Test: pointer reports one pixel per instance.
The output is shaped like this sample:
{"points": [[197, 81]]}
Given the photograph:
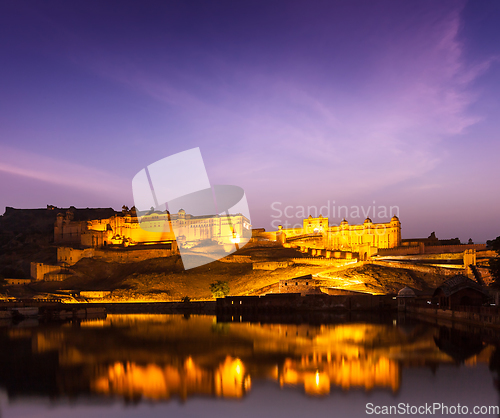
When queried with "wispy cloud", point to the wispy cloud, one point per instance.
{"points": [[415, 96], [61, 173]]}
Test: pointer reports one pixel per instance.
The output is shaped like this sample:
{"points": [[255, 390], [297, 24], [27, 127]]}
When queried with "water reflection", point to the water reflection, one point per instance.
{"points": [[158, 357]]}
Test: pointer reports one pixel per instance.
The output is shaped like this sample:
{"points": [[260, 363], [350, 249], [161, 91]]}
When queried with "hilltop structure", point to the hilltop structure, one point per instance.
{"points": [[126, 228], [364, 238]]}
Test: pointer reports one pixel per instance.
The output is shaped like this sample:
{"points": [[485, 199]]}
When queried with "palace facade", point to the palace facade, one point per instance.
{"points": [[126, 228], [348, 237]]}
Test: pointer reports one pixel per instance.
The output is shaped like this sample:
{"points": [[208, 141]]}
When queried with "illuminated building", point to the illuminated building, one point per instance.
{"points": [[126, 228], [356, 238]]}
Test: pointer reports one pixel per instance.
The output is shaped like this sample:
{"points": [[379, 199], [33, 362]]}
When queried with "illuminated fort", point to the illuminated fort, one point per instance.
{"points": [[356, 238], [126, 228]]}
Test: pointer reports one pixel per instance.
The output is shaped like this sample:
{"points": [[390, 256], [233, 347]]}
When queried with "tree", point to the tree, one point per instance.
{"points": [[495, 262], [219, 289]]}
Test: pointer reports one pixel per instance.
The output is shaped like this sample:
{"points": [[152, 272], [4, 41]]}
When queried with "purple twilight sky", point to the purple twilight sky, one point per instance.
{"points": [[321, 104]]}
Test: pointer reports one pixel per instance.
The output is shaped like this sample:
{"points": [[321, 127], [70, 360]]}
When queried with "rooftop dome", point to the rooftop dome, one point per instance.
{"points": [[368, 220], [394, 218], [406, 292]]}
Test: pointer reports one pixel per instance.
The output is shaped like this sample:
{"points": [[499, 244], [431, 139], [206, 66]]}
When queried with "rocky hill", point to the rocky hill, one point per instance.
{"points": [[164, 279]]}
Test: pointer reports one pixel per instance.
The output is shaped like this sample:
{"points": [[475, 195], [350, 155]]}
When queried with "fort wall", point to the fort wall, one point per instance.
{"points": [[401, 250], [71, 256], [437, 249], [18, 281], [257, 242], [428, 249], [94, 294], [324, 261], [271, 265], [428, 257], [303, 286], [129, 255], [57, 276], [322, 252], [289, 302], [236, 259], [486, 253], [39, 270]]}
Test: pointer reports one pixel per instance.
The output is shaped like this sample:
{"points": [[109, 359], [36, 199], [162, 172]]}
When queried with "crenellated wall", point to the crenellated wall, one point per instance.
{"points": [[324, 261], [427, 249], [236, 259], [401, 250], [129, 256], [271, 265], [437, 249], [304, 286]]}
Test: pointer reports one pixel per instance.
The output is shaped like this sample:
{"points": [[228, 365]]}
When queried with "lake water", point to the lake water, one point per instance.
{"points": [[194, 366]]}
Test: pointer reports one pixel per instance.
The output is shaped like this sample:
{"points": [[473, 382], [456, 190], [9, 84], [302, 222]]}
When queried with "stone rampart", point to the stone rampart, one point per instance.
{"points": [[39, 270], [299, 285], [131, 255], [70, 256], [271, 265], [289, 302], [94, 294], [262, 243], [399, 251], [437, 249], [57, 277], [486, 254], [236, 259], [17, 281], [323, 261], [428, 249], [427, 257], [271, 236]]}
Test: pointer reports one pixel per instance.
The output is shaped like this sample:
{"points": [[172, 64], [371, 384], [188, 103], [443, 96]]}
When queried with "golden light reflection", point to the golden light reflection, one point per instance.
{"points": [[160, 356], [149, 381], [342, 372], [230, 379], [316, 384]]}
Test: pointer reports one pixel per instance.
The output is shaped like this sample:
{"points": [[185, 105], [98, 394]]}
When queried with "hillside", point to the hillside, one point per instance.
{"points": [[164, 279]]}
